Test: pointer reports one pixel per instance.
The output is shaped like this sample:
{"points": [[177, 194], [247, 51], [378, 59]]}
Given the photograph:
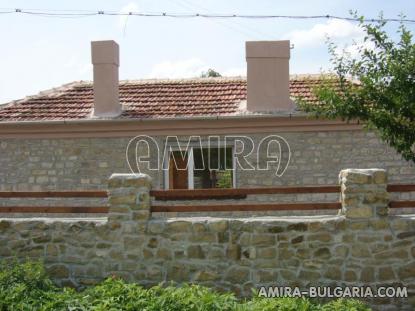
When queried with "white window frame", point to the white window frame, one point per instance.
{"points": [[190, 165]]}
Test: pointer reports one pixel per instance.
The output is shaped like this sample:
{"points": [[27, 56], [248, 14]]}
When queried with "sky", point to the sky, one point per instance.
{"points": [[40, 53]]}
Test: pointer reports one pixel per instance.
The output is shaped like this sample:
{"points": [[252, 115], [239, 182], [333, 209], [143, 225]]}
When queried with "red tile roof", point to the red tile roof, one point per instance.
{"points": [[146, 99]]}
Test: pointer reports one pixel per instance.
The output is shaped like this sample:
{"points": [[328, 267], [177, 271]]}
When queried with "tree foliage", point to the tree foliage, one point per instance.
{"points": [[211, 73], [376, 87]]}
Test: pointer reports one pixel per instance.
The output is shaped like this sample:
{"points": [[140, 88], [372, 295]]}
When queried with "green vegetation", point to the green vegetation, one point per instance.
{"points": [[211, 73], [224, 179], [27, 287], [384, 97]]}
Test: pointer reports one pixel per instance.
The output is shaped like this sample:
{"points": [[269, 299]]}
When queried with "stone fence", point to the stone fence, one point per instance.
{"points": [[362, 246]]}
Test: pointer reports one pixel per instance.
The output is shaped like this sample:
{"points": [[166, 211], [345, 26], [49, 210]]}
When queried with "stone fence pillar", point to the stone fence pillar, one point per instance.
{"points": [[363, 193], [129, 198]]}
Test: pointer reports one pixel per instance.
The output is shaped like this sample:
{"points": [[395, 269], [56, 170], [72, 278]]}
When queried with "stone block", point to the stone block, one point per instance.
{"points": [[285, 254], [363, 176], [367, 275], [178, 272], [176, 226], [195, 251], [333, 273], [341, 251], [309, 275], [360, 251], [42, 238], [51, 250], [350, 276], [164, 253], [237, 275], [300, 226], [288, 275], [275, 229], [249, 253], [153, 242], [130, 242], [4, 224], [141, 215], [129, 180], [218, 226], [199, 228], [58, 271], [267, 276], [297, 239], [233, 251], [129, 199], [207, 237], [266, 253], [321, 237], [323, 253], [407, 271], [263, 240], [303, 253], [156, 227], [363, 193], [207, 275], [386, 274]]}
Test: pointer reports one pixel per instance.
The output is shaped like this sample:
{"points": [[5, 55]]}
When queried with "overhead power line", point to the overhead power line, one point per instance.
{"points": [[87, 13]]}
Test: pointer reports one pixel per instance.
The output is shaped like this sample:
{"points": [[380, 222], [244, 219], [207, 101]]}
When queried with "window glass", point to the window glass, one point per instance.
{"points": [[212, 168]]}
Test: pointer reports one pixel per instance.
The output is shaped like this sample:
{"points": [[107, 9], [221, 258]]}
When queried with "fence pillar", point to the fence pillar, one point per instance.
{"points": [[364, 193], [129, 198]]}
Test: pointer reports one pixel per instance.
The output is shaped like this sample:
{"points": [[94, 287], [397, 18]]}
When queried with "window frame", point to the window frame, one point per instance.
{"points": [[190, 163]]}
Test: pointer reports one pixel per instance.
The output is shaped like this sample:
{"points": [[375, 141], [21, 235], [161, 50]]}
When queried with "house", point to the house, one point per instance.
{"points": [[203, 133], [77, 135]]}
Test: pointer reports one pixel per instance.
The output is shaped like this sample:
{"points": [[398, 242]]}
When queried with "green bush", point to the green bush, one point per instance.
{"points": [[26, 286]]}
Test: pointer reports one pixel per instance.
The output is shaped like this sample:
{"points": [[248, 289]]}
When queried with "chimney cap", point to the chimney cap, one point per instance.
{"points": [[105, 52], [268, 49]]}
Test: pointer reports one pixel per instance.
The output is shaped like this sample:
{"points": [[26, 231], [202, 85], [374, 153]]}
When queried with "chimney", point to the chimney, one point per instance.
{"points": [[268, 76], [105, 58]]}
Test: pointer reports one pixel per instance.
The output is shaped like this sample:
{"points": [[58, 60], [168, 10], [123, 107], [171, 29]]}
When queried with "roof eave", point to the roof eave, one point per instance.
{"points": [[197, 125]]}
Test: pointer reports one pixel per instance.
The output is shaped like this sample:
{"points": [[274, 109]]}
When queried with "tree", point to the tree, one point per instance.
{"points": [[210, 74], [376, 87]]}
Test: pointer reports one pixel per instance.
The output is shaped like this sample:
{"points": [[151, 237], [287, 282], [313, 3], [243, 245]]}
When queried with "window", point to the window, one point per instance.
{"points": [[200, 168]]}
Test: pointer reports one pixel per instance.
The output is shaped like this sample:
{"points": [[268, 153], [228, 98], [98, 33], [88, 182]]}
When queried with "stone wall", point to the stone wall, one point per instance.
{"points": [[363, 245], [87, 163]]}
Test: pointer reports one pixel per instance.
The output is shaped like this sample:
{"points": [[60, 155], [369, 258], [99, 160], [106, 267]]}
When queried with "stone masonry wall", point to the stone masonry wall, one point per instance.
{"points": [[87, 163], [363, 245]]}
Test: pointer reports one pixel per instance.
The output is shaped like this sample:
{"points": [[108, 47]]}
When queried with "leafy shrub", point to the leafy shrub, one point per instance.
{"points": [[26, 286], [345, 305]]}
